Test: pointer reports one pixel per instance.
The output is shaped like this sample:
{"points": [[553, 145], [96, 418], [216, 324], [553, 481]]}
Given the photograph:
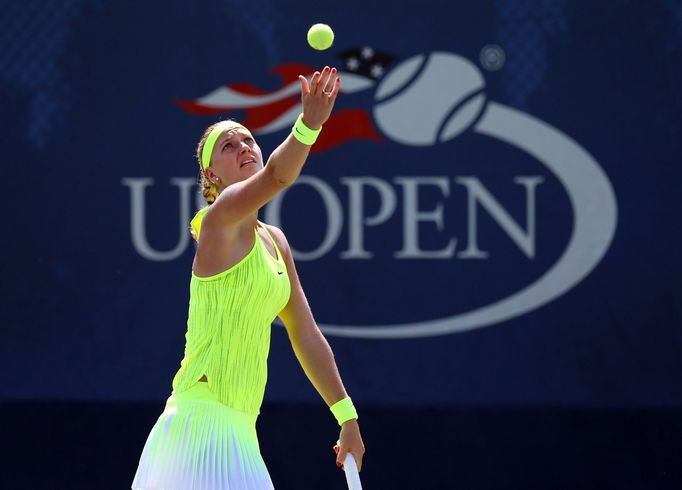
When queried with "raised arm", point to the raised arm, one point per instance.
{"points": [[244, 198]]}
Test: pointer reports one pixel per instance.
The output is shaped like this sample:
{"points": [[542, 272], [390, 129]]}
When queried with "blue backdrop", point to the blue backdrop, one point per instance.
{"points": [[492, 217]]}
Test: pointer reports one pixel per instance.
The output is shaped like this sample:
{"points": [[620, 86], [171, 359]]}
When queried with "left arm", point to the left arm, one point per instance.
{"points": [[314, 354]]}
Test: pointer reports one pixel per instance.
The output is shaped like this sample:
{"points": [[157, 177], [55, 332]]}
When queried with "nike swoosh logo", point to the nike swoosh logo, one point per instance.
{"points": [[280, 272]]}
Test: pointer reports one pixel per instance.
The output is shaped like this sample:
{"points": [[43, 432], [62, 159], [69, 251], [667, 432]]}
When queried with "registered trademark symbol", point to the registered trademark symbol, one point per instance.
{"points": [[492, 57]]}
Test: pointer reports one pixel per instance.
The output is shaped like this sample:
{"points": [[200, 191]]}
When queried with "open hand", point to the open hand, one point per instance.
{"points": [[319, 96]]}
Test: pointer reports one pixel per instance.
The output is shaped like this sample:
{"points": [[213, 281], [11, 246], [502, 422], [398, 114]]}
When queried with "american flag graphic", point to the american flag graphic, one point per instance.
{"points": [[269, 112]]}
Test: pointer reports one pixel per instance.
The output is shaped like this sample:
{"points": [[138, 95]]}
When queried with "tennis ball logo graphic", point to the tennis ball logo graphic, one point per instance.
{"points": [[429, 99]]}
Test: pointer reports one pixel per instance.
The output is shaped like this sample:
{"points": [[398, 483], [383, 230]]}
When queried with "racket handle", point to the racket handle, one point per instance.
{"points": [[352, 475]]}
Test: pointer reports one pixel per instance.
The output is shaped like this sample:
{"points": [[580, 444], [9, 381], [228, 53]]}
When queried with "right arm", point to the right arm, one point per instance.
{"points": [[242, 199]]}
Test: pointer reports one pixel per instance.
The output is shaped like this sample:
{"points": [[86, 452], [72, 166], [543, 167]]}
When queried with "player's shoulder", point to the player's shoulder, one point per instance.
{"points": [[279, 237]]}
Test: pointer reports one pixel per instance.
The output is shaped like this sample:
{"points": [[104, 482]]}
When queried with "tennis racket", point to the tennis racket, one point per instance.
{"points": [[352, 475]]}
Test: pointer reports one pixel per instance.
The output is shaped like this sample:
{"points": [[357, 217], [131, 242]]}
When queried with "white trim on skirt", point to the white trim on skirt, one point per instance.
{"points": [[198, 443]]}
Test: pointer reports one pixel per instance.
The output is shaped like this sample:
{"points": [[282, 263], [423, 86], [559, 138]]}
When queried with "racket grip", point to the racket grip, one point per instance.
{"points": [[352, 475]]}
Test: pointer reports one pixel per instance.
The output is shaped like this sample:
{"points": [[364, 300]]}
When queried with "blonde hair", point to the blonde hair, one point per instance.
{"points": [[208, 188]]}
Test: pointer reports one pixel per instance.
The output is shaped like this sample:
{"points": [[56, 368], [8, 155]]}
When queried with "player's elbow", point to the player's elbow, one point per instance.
{"points": [[307, 336], [281, 178]]}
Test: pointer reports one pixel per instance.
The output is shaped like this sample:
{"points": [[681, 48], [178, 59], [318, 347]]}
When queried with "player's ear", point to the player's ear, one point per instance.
{"points": [[210, 175]]}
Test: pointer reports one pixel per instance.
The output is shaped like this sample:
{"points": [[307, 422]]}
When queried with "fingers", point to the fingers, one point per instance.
{"points": [[315, 81], [335, 90], [340, 455], [318, 96], [305, 88], [329, 82], [323, 83], [321, 80]]}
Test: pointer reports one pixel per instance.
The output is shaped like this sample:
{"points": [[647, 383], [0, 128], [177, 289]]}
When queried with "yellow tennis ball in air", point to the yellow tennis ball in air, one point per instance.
{"points": [[320, 36]]}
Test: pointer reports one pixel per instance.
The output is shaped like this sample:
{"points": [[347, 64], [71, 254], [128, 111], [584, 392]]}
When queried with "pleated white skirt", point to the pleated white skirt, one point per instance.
{"points": [[198, 443]]}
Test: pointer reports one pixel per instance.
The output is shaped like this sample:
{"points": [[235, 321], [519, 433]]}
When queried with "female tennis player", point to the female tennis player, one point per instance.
{"points": [[243, 276]]}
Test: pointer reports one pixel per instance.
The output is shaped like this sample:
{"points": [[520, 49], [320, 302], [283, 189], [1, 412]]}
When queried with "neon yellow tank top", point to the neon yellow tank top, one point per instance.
{"points": [[228, 327]]}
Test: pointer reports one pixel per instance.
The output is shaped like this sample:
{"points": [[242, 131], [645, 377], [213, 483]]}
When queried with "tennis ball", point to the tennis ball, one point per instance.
{"points": [[320, 36]]}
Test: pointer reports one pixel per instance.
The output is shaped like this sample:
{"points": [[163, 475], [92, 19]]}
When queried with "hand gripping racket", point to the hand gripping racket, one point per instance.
{"points": [[352, 475]]}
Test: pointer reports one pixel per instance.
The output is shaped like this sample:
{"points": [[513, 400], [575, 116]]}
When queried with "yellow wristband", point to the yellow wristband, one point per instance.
{"points": [[344, 410], [303, 133]]}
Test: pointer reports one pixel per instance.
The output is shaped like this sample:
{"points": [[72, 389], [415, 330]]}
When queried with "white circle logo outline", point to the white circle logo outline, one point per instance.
{"points": [[594, 207]]}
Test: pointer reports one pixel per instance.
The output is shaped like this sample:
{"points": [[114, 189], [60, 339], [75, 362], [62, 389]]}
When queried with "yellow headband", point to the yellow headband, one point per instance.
{"points": [[220, 128]]}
